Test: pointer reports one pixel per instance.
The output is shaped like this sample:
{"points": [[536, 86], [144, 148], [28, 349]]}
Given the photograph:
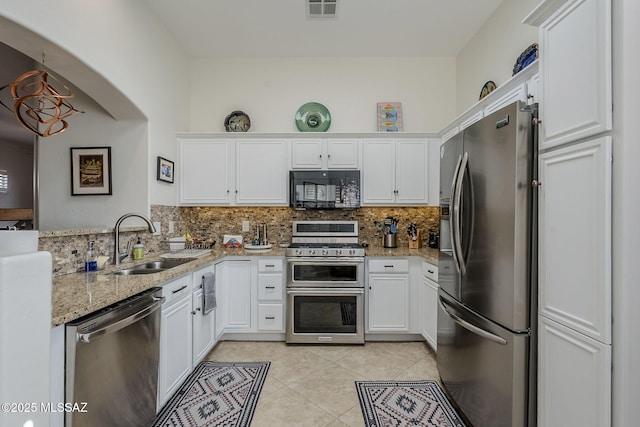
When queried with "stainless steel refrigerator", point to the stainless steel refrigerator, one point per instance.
{"points": [[487, 275]]}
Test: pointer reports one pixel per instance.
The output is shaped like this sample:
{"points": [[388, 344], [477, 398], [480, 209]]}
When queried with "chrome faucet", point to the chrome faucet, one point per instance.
{"points": [[119, 256]]}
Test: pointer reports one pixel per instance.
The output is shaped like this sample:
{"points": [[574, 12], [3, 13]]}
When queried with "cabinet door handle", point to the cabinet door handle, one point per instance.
{"points": [[178, 290], [430, 271], [388, 266], [269, 266], [269, 317], [269, 287]]}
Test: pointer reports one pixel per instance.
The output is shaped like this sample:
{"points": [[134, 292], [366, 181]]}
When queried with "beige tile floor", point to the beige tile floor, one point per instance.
{"points": [[314, 385]]}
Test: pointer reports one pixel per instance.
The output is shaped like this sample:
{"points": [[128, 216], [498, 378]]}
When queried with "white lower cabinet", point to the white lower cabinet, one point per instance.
{"points": [[204, 330], [234, 287], [574, 378], [176, 326], [270, 317], [270, 295], [430, 304], [186, 333], [388, 295]]}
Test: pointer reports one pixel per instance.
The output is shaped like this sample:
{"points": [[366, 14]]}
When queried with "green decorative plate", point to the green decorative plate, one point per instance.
{"points": [[313, 117]]}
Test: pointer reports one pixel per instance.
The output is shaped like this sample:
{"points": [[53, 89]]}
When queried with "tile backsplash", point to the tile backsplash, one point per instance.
{"points": [[68, 248], [214, 222]]}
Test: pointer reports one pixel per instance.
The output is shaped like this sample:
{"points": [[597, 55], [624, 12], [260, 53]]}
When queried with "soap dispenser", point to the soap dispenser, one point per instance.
{"points": [[138, 250], [90, 262]]}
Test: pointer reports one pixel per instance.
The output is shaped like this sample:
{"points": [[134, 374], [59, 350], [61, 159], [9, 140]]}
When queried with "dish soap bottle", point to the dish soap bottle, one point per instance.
{"points": [[138, 250], [90, 263]]}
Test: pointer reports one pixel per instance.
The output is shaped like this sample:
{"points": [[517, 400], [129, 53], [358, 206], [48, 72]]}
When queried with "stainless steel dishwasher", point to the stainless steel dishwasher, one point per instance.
{"points": [[112, 364]]}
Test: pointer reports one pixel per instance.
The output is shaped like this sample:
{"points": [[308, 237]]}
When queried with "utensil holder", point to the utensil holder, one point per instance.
{"points": [[389, 241], [415, 244]]}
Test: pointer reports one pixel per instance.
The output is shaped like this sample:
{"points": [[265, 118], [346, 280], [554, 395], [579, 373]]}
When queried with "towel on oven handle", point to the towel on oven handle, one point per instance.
{"points": [[208, 292]]}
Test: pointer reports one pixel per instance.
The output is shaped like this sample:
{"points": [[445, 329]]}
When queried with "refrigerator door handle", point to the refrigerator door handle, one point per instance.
{"points": [[472, 328], [452, 228], [456, 214]]}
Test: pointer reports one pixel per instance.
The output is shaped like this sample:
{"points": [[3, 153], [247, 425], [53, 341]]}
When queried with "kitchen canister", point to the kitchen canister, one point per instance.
{"points": [[389, 240]]}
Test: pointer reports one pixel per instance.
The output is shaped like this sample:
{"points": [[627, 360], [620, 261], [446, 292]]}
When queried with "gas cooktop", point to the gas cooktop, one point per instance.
{"points": [[325, 239], [320, 250]]}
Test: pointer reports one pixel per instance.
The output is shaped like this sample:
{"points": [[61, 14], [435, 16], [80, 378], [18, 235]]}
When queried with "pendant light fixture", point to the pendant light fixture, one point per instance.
{"points": [[40, 102]]}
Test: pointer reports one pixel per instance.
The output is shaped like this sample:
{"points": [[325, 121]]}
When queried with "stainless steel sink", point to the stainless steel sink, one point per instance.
{"points": [[152, 267]]}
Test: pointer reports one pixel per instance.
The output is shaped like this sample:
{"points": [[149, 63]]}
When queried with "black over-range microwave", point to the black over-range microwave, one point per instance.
{"points": [[325, 189]]}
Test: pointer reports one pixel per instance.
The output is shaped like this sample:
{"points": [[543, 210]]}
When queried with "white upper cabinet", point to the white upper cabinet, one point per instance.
{"points": [[221, 171], [412, 171], [205, 171], [324, 154], [395, 171], [261, 172], [575, 42], [378, 178]]}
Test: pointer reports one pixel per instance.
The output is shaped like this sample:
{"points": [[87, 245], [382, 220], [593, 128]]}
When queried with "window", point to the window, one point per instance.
{"points": [[4, 181]]}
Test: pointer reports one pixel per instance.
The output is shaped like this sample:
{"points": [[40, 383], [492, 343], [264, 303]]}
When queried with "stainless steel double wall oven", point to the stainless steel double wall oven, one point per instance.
{"points": [[325, 283]]}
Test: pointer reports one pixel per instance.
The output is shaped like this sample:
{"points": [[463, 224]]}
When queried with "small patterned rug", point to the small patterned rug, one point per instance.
{"points": [[405, 403], [216, 394]]}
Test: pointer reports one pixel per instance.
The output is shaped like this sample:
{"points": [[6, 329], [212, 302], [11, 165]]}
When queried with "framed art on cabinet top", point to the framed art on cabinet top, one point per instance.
{"points": [[389, 117]]}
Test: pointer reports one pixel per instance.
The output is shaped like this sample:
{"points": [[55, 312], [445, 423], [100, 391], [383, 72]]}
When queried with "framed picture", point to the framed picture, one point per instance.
{"points": [[165, 170], [389, 117], [90, 171]]}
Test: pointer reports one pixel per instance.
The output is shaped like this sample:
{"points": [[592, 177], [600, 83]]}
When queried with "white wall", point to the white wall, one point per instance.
{"points": [[493, 51], [121, 56], [270, 91], [58, 209], [626, 211]]}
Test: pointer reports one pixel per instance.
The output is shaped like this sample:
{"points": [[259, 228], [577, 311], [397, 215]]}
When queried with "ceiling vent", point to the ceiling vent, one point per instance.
{"points": [[322, 9]]}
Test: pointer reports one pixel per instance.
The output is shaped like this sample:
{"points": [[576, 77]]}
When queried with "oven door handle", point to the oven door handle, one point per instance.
{"points": [[326, 291]]}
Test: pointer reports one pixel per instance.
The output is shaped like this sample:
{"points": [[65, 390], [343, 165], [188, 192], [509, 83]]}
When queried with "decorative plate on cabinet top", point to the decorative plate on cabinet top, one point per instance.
{"points": [[237, 121], [488, 87], [529, 55], [313, 117]]}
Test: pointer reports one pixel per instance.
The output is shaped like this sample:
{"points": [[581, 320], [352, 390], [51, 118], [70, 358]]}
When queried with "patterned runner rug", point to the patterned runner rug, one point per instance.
{"points": [[216, 394], [405, 403]]}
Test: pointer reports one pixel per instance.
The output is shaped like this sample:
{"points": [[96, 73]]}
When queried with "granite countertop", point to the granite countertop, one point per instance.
{"points": [[429, 254], [76, 295]]}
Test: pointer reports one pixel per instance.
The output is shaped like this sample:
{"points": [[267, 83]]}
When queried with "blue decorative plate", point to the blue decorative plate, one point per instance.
{"points": [[488, 87], [313, 117], [529, 55]]}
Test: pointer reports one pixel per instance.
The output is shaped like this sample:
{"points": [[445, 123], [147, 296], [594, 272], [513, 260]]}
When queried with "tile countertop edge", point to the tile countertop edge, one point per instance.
{"points": [[78, 294]]}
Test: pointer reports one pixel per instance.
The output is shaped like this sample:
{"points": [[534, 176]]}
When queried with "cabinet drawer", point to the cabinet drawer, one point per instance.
{"points": [[389, 266], [430, 271], [269, 265], [176, 289], [270, 287], [270, 317]]}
